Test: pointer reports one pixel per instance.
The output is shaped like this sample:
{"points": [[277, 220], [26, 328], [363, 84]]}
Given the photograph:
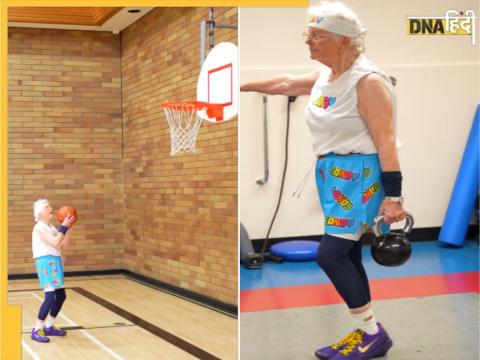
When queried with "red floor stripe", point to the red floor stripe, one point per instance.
{"points": [[325, 294]]}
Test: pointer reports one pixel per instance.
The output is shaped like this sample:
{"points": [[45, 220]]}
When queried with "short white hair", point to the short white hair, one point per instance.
{"points": [[38, 206], [340, 10]]}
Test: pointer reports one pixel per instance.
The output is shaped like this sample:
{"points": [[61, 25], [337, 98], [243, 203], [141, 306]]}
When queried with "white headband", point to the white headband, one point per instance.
{"points": [[337, 25], [38, 206]]}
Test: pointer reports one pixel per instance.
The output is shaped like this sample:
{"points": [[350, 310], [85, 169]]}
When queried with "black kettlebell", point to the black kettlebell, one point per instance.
{"points": [[392, 249]]}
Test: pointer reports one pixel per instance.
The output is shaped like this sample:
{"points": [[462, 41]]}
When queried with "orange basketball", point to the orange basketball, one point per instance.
{"points": [[64, 211]]}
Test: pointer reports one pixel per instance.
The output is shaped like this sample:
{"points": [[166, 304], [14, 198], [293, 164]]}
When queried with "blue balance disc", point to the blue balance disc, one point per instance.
{"points": [[296, 250]]}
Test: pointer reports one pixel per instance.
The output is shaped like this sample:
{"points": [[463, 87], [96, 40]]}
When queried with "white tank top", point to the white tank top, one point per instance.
{"points": [[332, 112], [40, 247]]}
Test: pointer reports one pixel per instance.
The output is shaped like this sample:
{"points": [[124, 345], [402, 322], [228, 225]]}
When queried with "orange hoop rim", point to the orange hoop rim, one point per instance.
{"points": [[213, 110], [197, 105]]}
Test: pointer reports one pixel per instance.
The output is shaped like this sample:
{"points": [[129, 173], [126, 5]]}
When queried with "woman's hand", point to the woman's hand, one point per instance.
{"points": [[392, 211], [69, 219]]}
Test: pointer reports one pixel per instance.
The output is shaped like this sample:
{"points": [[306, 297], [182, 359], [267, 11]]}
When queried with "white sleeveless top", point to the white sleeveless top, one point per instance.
{"points": [[40, 247], [332, 113]]}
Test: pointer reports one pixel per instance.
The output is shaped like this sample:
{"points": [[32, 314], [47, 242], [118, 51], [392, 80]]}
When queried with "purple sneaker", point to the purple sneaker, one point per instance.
{"points": [[363, 346], [328, 352], [39, 336], [55, 331]]}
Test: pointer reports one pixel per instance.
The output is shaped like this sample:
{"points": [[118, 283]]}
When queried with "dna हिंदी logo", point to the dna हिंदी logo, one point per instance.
{"points": [[452, 23]]}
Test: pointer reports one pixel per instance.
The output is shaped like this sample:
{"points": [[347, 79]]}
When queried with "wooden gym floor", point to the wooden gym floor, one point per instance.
{"points": [[115, 317]]}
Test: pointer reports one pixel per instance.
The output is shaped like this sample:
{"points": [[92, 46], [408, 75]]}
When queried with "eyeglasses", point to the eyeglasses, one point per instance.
{"points": [[313, 36]]}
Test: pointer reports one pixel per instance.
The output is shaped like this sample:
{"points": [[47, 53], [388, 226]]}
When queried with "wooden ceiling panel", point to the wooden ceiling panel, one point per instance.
{"points": [[92, 16]]}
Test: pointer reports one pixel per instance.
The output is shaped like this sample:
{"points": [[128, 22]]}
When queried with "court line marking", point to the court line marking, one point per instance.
{"points": [[98, 342], [30, 328], [127, 277], [20, 297], [11, 292], [73, 328], [87, 334], [30, 351], [70, 278], [164, 290], [155, 330], [151, 328]]}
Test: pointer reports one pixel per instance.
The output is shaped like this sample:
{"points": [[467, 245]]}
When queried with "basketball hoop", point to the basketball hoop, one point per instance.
{"points": [[184, 122]]}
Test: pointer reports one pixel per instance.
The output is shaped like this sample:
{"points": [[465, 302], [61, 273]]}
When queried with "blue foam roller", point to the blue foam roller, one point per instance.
{"points": [[296, 250], [465, 191]]}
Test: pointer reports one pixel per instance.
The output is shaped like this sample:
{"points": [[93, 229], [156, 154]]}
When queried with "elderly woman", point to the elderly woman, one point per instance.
{"points": [[47, 246], [351, 117]]}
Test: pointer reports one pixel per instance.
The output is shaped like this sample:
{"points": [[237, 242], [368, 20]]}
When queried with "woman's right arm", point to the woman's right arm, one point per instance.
{"points": [[51, 240], [291, 85], [55, 241]]}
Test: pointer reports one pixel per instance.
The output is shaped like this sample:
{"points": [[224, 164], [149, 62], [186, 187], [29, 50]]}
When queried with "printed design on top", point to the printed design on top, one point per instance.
{"points": [[366, 172], [316, 19], [344, 174], [325, 102], [371, 190], [342, 199], [339, 222]]}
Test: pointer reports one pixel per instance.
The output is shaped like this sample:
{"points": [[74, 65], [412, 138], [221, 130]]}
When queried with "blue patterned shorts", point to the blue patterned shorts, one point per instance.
{"points": [[350, 190], [50, 271]]}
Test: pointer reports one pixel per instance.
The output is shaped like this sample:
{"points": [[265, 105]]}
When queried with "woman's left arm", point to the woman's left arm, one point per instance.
{"points": [[376, 108]]}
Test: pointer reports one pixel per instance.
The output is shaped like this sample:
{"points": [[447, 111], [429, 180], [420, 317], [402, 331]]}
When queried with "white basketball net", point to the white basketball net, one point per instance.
{"points": [[184, 126]]}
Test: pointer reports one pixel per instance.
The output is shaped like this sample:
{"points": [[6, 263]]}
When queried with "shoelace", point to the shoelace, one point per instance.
{"points": [[344, 341], [357, 338], [41, 332]]}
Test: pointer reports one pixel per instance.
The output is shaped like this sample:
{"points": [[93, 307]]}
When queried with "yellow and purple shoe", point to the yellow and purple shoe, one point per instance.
{"points": [[363, 346], [54, 331], [327, 352], [39, 335]]}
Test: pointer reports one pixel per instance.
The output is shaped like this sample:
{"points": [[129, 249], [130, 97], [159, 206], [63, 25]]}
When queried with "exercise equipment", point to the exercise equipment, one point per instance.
{"points": [[296, 250], [465, 191], [264, 253], [392, 249], [264, 180], [248, 257]]}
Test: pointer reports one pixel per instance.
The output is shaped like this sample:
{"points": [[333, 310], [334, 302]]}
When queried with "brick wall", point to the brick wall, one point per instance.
{"points": [[65, 141], [180, 212], [170, 218]]}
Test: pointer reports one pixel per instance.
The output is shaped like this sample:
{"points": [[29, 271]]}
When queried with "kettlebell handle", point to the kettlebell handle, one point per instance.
{"points": [[409, 221]]}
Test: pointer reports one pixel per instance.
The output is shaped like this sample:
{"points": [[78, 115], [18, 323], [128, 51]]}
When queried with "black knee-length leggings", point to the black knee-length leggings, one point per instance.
{"points": [[341, 259], [52, 304]]}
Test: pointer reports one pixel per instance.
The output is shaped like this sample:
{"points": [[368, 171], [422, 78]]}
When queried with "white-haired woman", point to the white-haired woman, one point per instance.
{"points": [[351, 117], [47, 246]]}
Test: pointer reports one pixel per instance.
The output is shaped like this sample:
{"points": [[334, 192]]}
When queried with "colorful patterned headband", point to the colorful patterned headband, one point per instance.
{"points": [[337, 25]]}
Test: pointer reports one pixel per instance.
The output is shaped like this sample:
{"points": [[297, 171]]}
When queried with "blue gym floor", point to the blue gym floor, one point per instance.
{"points": [[428, 258], [429, 306]]}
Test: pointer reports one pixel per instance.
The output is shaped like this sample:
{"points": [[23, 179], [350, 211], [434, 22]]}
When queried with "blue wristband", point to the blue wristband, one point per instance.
{"points": [[392, 183], [63, 229]]}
